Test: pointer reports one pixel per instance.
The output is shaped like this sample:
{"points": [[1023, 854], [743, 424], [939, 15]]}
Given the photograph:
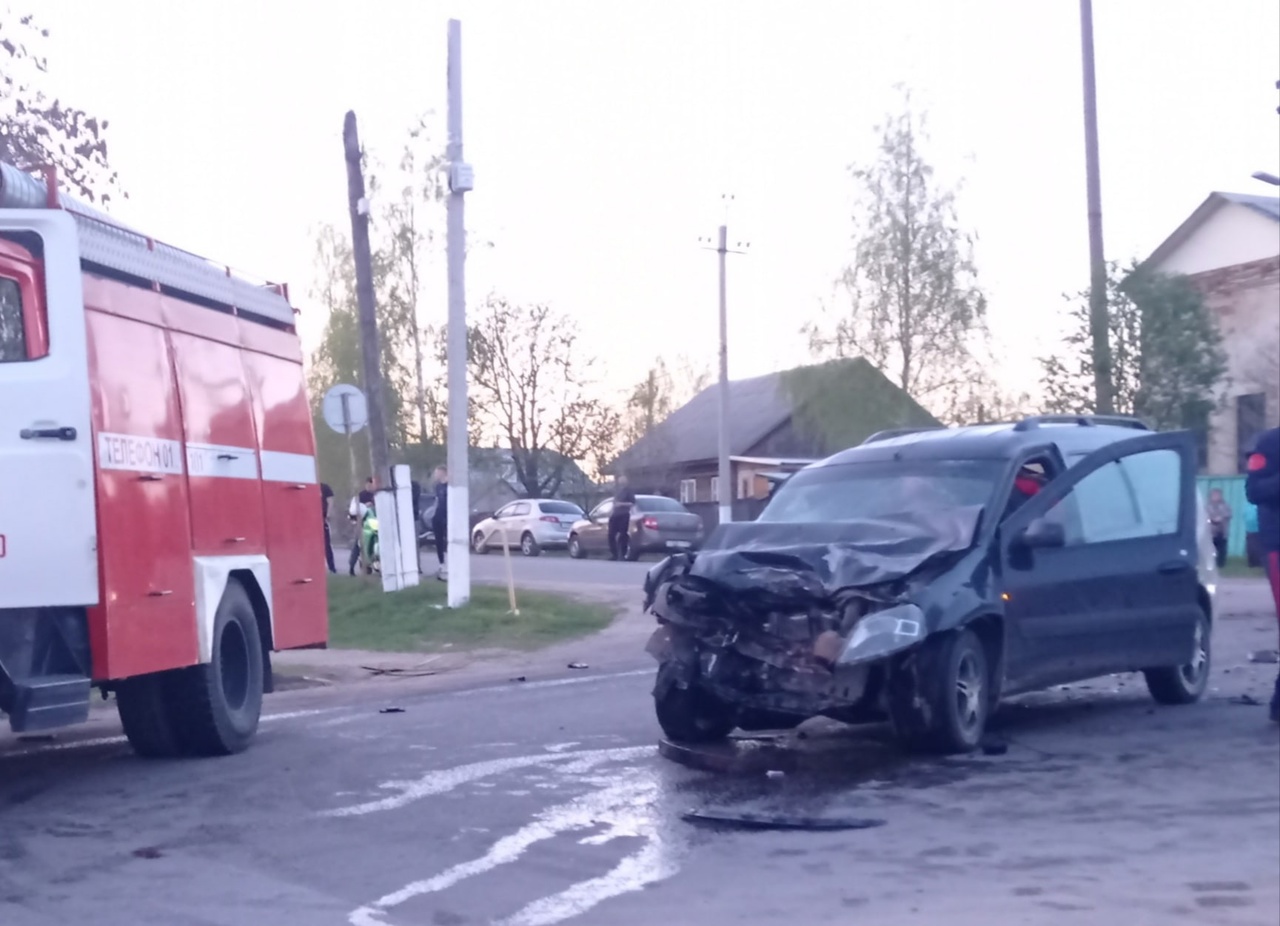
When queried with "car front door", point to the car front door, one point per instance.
{"points": [[493, 527], [1099, 568], [516, 522]]}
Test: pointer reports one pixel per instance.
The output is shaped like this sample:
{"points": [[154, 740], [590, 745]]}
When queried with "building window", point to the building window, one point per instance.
{"points": [[715, 488], [688, 491], [1251, 420]]}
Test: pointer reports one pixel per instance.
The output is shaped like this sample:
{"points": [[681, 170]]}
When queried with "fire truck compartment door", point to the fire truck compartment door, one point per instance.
{"points": [[48, 527]]}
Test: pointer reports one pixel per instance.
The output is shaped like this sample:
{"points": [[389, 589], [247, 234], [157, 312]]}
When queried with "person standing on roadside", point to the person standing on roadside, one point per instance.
{"points": [[620, 519], [1262, 488], [326, 493], [440, 519], [356, 512], [1219, 524]]}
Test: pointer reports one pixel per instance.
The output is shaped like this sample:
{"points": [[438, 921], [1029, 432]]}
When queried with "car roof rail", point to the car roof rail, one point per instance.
{"points": [[898, 432], [1084, 421]]}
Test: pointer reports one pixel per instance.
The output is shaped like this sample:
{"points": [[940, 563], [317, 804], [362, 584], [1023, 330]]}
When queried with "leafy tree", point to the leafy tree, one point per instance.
{"points": [[665, 388], [1167, 360], [532, 384], [914, 303], [36, 131]]}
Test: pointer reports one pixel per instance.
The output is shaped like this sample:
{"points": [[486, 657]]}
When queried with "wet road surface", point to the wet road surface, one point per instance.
{"points": [[546, 802]]}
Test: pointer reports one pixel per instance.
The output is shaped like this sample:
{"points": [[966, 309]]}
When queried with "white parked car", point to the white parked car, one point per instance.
{"points": [[532, 524]]}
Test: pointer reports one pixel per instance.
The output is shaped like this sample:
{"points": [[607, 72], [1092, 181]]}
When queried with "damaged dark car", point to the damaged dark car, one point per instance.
{"points": [[922, 576]]}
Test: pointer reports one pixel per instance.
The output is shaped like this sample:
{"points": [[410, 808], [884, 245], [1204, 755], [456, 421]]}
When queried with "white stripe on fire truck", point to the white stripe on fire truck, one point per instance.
{"points": [[139, 454], [297, 468], [221, 461]]}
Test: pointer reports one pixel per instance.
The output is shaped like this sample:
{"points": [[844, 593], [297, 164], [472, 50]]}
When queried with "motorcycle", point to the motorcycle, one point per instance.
{"points": [[369, 555]]}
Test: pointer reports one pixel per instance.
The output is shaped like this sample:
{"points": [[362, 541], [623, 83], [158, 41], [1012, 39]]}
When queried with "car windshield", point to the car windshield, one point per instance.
{"points": [[865, 491], [560, 508], [657, 503]]}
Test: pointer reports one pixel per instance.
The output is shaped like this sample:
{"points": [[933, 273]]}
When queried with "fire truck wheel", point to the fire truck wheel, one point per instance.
{"points": [[217, 706], [143, 705]]}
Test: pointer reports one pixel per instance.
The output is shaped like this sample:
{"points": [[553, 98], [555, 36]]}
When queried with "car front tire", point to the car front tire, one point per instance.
{"points": [[942, 703], [691, 715], [477, 543], [1185, 684], [575, 548]]}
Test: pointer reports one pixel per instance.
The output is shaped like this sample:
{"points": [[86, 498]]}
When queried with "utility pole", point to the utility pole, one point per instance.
{"points": [[1099, 312], [724, 479], [461, 181], [369, 344]]}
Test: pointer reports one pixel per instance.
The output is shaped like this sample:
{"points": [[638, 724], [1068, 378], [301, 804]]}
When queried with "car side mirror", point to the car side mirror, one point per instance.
{"points": [[1042, 534]]}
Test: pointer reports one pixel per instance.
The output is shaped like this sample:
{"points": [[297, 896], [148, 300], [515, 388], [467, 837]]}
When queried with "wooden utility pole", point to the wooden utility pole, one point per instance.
{"points": [[1099, 311], [374, 390]]}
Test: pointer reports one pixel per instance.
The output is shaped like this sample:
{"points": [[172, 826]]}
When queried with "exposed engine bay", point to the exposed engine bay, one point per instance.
{"points": [[796, 620]]}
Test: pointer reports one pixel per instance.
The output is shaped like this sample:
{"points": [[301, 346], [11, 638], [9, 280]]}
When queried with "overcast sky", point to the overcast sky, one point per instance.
{"points": [[603, 135]]}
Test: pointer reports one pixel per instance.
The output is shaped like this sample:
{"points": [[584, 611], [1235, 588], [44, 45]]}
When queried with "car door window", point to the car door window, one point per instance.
{"points": [[1135, 496], [504, 512], [602, 511], [13, 333]]}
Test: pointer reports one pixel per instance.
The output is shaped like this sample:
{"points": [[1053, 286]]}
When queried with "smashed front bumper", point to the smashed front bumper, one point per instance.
{"points": [[778, 650]]}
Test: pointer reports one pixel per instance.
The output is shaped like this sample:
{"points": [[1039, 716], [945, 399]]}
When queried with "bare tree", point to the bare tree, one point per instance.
{"points": [[36, 131], [914, 303], [533, 387]]}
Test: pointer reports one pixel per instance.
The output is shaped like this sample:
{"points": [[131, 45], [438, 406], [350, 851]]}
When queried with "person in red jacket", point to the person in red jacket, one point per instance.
{"points": [[1262, 488]]}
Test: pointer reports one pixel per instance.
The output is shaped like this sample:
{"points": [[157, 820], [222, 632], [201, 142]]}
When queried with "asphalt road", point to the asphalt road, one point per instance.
{"points": [[556, 570], [546, 802]]}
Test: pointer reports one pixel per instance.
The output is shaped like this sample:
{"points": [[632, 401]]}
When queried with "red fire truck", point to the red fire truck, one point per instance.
{"points": [[160, 515]]}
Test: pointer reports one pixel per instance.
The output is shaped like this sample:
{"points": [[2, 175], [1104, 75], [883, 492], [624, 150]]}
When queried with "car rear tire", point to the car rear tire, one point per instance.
{"points": [[143, 705], [529, 546], [692, 715], [217, 706], [632, 554], [575, 547], [941, 704], [1185, 684], [477, 543]]}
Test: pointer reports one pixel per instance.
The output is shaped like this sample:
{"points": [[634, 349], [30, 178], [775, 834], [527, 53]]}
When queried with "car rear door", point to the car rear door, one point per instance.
{"points": [[48, 516], [1121, 593]]}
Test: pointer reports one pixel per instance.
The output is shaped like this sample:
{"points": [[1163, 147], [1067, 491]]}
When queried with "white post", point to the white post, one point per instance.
{"points": [[397, 540], [460, 182], [725, 478]]}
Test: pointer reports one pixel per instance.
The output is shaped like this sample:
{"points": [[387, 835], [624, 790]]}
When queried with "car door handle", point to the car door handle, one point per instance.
{"points": [[1174, 566], [47, 434]]}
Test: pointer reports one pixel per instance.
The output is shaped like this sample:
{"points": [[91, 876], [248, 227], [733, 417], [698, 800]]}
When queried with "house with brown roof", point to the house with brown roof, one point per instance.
{"points": [[1229, 249], [778, 423]]}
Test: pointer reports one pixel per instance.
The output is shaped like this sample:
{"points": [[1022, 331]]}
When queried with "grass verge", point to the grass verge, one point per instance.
{"points": [[362, 616]]}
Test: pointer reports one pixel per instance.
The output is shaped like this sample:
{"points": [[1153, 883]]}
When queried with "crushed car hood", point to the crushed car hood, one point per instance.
{"points": [[816, 561]]}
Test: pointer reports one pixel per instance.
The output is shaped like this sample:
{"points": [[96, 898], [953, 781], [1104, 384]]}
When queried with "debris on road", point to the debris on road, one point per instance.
{"points": [[775, 773], [578, 665], [147, 852], [417, 670], [778, 821], [994, 747], [1267, 656], [520, 678], [391, 710], [1245, 700]]}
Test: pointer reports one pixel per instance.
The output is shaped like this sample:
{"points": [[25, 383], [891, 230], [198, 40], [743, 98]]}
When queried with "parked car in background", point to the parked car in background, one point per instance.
{"points": [[532, 524], [658, 525]]}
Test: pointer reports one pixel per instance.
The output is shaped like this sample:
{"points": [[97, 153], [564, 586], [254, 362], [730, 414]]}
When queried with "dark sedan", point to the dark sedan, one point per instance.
{"points": [[658, 525]]}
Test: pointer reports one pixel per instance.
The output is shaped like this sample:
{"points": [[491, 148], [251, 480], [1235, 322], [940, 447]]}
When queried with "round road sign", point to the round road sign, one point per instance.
{"points": [[345, 409]]}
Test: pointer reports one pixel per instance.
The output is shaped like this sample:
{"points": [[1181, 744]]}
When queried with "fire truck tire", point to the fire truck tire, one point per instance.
{"points": [[143, 705], [216, 706]]}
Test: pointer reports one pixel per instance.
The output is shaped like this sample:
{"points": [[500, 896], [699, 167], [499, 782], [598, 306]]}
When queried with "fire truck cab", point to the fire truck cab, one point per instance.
{"points": [[160, 515]]}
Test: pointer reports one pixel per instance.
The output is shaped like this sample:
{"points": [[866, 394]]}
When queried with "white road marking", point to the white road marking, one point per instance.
{"points": [[113, 740], [623, 804], [442, 780]]}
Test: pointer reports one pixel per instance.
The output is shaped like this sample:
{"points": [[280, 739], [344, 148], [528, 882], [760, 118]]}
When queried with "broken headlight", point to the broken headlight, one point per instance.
{"points": [[883, 634]]}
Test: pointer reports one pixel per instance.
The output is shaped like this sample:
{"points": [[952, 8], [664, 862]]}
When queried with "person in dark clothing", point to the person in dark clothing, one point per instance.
{"points": [[1262, 488], [326, 493], [1219, 525], [620, 519], [440, 519], [359, 505]]}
